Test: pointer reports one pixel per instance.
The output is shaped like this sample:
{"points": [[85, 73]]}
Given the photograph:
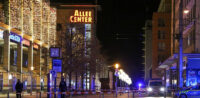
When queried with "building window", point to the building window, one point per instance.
{"points": [[161, 59], [161, 46], [188, 40], [13, 54], [25, 56], [161, 34], [161, 22]]}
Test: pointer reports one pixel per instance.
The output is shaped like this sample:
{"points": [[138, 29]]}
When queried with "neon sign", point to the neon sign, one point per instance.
{"points": [[15, 37], [81, 17]]}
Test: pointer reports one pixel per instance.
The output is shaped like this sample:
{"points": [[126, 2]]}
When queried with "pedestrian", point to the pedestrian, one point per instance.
{"points": [[62, 87], [18, 88]]}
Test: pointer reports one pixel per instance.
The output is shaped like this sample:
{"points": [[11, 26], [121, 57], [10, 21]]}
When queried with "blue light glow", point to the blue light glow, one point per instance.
{"points": [[140, 84]]}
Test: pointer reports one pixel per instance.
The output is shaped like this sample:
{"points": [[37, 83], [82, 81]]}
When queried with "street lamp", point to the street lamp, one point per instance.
{"points": [[186, 11], [116, 74], [116, 66]]}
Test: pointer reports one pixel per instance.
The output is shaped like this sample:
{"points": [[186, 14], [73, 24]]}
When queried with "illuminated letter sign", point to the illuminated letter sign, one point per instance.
{"points": [[81, 17], [26, 42], [15, 37]]}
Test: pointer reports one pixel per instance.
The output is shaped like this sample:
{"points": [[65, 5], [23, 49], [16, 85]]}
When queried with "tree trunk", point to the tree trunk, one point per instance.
{"points": [[90, 82], [76, 81], [70, 79], [82, 78]]}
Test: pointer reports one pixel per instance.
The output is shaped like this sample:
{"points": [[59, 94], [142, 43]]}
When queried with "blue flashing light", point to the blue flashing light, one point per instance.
{"points": [[140, 84]]}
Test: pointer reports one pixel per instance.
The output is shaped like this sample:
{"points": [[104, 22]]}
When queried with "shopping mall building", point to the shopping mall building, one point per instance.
{"points": [[27, 31]]}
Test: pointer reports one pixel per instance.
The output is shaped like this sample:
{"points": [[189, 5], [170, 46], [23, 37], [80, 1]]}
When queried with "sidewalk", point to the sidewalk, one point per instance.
{"points": [[24, 95]]}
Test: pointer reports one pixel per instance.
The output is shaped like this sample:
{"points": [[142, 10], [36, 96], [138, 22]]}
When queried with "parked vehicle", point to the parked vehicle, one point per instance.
{"points": [[155, 87]]}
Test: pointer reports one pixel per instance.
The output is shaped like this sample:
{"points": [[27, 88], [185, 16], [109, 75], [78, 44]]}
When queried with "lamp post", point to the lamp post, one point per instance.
{"points": [[116, 74], [180, 66], [32, 68]]}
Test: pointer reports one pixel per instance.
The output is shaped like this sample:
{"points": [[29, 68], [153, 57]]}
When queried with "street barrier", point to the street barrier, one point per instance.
{"points": [[101, 94]]}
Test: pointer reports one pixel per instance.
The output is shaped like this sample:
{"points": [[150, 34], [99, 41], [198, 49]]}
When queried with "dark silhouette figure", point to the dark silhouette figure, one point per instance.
{"points": [[62, 87], [19, 88]]}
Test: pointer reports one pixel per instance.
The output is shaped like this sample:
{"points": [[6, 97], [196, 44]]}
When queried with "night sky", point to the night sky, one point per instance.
{"points": [[120, 24], [119, 29]]}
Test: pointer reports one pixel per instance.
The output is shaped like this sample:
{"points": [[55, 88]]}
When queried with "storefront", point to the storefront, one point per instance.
{"points": [[191, 70]]}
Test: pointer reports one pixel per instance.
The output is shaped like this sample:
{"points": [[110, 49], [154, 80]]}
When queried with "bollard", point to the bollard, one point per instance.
{"points": [[133, 94], [55, 95], [8, 95], [100, 95], [103, 95], [70, 95], [128, 94]]}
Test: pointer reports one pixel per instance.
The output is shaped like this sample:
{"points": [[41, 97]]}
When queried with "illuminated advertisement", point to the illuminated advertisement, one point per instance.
{"points": [[81, 16], [57, 65], [193, 71], [35, 46], [1, 34], [15, 38], [26, 42], [191, 78], [54, 52]]}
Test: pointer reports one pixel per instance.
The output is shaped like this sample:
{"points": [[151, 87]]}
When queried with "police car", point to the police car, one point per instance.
{"points": [[188, 93]]}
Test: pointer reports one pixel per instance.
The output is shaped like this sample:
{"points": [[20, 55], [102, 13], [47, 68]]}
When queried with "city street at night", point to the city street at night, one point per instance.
{"points": [[99, 48]]}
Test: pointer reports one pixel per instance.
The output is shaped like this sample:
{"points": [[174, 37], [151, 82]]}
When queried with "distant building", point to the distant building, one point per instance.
{"points": [[76, 35], [161, 36], [148, 50]]}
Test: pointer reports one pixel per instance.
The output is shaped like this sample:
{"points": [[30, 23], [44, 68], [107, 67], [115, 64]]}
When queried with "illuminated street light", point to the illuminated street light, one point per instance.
{"points": [[10, 77], [186, 11], [117, 75], [116, 66], [32, 68]]}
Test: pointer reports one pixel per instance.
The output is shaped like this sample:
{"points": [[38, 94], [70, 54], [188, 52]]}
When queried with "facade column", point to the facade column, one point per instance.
{"points": [[39, 52], [30, 56], [30, 64], [6, 59], [19, 59]]}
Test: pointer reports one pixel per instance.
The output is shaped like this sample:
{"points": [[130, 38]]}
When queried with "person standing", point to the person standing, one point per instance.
{"points": [[62, 87], [18, 88]]}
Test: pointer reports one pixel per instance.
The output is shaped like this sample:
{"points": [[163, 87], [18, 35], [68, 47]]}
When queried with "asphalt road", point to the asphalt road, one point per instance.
{"points": [[113, 96], [86, 96]]}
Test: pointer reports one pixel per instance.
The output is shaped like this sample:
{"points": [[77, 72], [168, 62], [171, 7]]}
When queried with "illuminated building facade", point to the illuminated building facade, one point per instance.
{"points": [[191, 56], [27, 30], [76, 29]]}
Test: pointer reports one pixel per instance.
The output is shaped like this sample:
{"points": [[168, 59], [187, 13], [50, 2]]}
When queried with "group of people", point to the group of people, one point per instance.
{"points": [[19, 88]]}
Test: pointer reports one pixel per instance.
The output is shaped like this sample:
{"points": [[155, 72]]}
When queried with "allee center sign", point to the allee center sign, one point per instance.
{"points": [[82, 16]]}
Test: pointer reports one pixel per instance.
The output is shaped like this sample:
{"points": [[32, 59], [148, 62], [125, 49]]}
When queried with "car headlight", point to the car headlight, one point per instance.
{"points": [[162, 89], [149, 89]]}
